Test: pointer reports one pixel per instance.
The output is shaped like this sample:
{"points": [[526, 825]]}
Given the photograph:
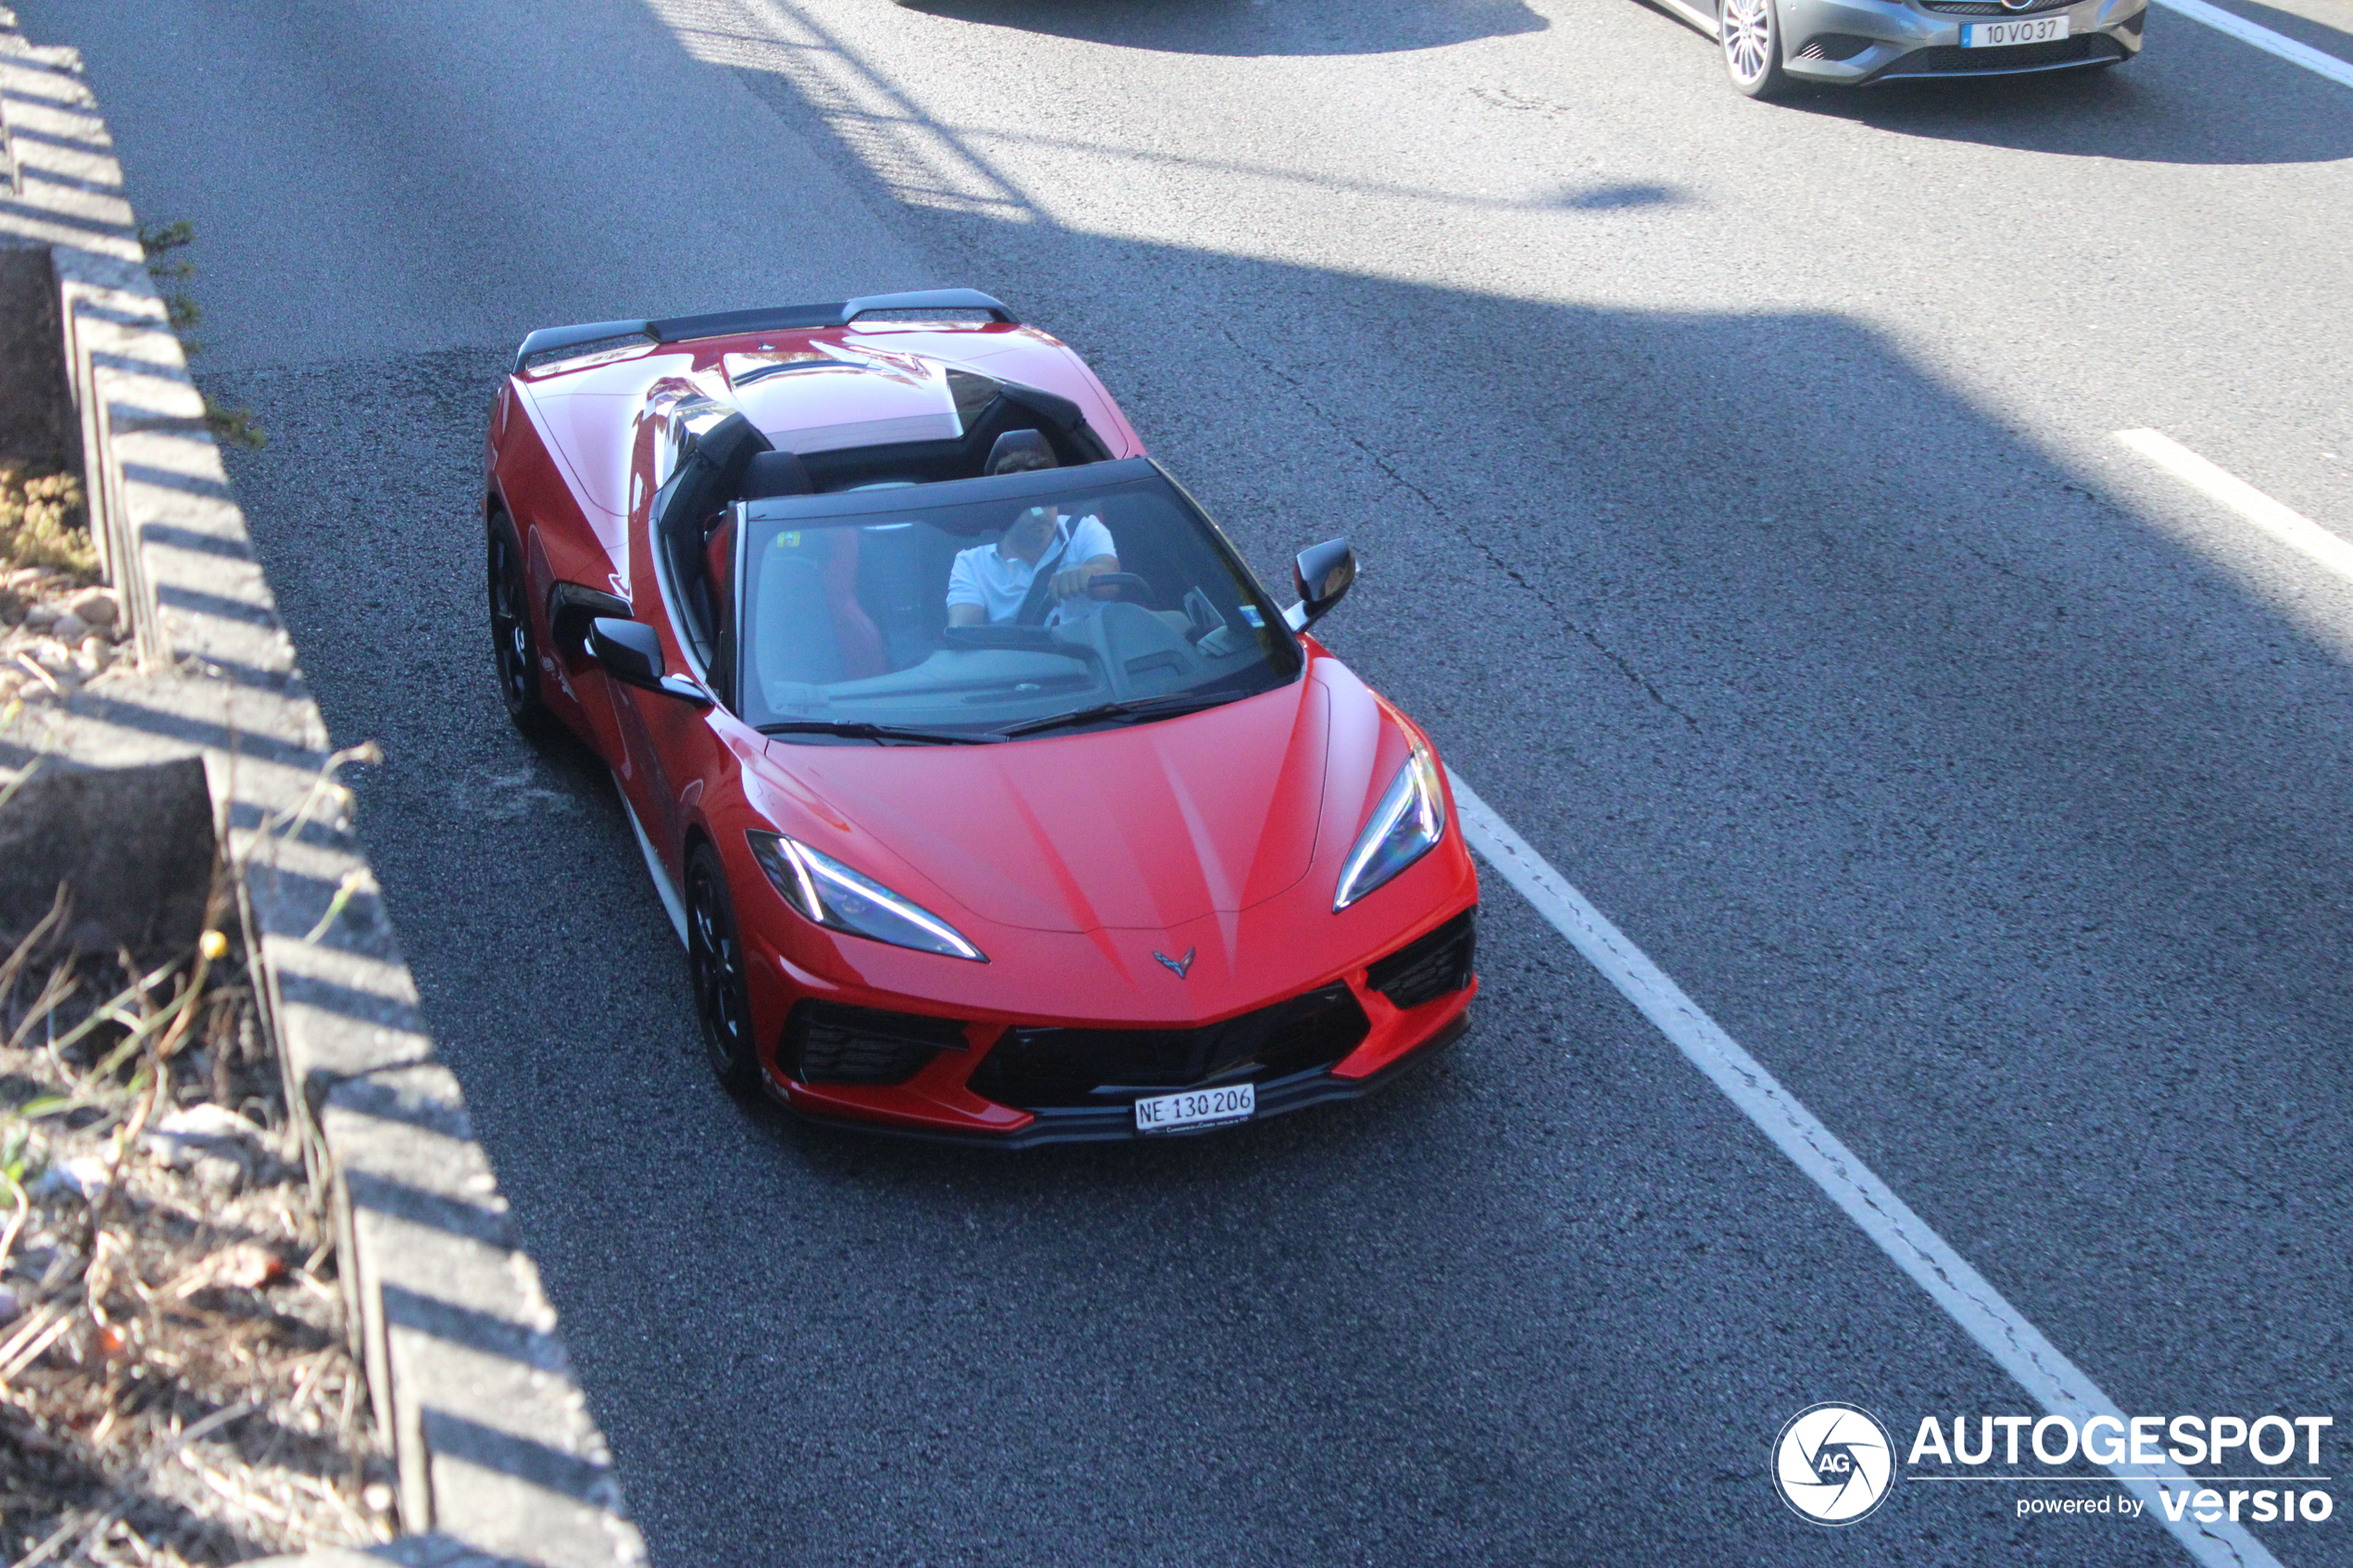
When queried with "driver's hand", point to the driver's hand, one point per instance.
{"points": [[1071, 583]]}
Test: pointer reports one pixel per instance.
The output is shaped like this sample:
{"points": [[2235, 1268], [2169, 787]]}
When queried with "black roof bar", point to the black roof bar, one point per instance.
{"points": [[779, 317]]}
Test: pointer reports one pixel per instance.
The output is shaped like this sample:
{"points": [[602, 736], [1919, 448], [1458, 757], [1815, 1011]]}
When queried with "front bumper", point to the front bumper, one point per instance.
{"points": [[1116, 1123], [1856, 42], [1009, 1085]]}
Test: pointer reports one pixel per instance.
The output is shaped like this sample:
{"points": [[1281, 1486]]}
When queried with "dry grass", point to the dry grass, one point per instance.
{"points": [[175, 1383], [45, 523]]}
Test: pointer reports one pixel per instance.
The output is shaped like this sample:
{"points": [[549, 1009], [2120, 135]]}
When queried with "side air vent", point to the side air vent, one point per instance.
{"points": [[1836, 47], [827, 1043], [1429, 967]]}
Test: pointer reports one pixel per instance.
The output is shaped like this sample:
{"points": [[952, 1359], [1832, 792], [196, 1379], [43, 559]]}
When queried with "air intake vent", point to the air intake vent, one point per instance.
{"points": [[1952, 59], [826, 1043], [1836, 47], [1064, 1067], [1429, 967]]}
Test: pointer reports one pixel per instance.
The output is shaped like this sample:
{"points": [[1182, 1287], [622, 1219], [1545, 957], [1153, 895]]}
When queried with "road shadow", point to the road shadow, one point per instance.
{"points": [[1976, 802], [1252, 27], [2169, 106]]}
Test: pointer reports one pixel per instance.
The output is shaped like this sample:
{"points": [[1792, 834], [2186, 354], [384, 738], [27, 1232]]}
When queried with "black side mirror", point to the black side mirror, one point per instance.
{"points": [[1322, 574], [631, 653]]}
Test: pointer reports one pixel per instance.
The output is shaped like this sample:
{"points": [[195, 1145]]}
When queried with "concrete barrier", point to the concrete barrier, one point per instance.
{"points": [[498, 1459]]}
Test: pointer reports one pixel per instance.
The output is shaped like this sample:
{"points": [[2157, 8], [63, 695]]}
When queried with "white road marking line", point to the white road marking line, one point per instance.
{"points": [[1960, 1290], [2263, 38], [2293, 529]]}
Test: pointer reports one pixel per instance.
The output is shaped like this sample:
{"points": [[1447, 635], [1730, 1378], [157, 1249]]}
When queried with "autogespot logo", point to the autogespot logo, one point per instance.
{"points": [[1833, 1463]]}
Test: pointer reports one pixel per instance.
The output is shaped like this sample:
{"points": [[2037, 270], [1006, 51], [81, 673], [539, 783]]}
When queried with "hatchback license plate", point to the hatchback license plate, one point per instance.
{"points": [[1197, 1107], [2001, 36]]}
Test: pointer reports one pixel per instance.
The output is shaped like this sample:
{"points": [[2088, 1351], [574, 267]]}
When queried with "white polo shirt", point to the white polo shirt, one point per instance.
{"points": [[998, 585]]}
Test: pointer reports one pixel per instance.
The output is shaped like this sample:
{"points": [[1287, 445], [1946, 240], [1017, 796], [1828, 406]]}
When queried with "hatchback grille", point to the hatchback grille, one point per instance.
{"points": [[1952, 59], [1062, 1067], [827, 1043], [1429, 966]]}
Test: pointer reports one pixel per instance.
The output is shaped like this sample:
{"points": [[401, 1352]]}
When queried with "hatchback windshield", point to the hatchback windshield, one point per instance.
{"points": [[1045, 608]]}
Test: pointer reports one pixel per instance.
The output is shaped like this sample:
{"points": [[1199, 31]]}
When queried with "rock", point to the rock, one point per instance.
{"points": [[40, 617], [221, 1174], [182, 1138], [136, 843], [69, 627], [245, 1266], [9, 1305], [96, 654], [11, 606], [96, 606], [84, 1176]]}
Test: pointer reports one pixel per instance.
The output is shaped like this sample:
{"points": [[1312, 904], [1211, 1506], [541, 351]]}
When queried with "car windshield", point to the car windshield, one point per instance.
{"points": [[995, 608]]}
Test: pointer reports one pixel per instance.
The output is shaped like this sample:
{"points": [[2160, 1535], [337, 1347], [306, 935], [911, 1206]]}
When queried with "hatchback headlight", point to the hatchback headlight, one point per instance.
{"points": [[832, 896], [1406, 826]]}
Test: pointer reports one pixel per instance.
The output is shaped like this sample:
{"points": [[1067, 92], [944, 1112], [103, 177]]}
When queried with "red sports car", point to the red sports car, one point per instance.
{"points": [[991, 794]]}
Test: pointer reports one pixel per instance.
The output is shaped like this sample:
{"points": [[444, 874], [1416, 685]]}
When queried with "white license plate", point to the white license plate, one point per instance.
{"points": [[1197, 1107], [2001, 36]]}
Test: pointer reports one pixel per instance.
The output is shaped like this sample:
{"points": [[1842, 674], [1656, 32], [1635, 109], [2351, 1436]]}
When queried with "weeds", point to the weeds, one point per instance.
{"points": [[172, 271], [45, 523], [233, 425], [175, 1383], [158, 241]]}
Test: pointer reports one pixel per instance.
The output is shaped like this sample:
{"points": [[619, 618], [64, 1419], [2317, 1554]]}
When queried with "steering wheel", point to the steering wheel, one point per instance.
{"points": [[1040, 600], [1118, 580]]}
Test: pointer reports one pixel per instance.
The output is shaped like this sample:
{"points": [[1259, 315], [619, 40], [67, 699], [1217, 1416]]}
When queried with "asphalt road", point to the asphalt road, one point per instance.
{"points": [[1741, 511]]}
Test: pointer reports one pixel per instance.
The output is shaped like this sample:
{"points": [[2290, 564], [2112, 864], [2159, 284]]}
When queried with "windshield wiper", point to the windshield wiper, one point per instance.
{"points": [[858, 729], [1137, 707]]}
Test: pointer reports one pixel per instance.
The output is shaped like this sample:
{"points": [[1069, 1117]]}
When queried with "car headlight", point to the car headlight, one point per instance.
{"points": [[1406, 826], [832, 896]]}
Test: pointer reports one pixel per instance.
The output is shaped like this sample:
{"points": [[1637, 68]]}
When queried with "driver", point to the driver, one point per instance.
{"points": [[990, 582]]}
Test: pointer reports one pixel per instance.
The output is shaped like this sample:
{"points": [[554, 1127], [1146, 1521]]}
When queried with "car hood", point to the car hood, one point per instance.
{"points": [[1147, 826]]}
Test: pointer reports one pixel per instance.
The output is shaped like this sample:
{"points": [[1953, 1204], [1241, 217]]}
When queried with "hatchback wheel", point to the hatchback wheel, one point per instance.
{"points": [[716, 959], [1752, 35]]}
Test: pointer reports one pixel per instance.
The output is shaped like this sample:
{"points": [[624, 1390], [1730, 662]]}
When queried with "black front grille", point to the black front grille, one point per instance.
{"points": [[1987, 7], [1429, 966], [827, 1043], [1063, 1067], [1952, 59]]}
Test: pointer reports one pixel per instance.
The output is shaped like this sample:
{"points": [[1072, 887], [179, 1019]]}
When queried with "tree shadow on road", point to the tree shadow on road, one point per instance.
{"points": [[2002, 821]]}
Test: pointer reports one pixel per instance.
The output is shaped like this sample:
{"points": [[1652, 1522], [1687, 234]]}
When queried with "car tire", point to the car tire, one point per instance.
{"points": [[715, 958], [512, 645], [1751, 33]]}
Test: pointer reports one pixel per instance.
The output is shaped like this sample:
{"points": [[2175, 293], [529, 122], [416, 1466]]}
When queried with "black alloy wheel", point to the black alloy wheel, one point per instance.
{"points": [[511, 643], [716, 960]]}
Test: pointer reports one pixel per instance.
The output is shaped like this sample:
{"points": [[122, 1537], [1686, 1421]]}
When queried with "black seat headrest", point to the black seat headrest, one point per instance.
{"points": [[1017, 450], [774, 473]]}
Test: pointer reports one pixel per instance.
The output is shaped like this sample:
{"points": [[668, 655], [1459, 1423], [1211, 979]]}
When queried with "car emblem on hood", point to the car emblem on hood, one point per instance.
{"points": [[1175, 966]]}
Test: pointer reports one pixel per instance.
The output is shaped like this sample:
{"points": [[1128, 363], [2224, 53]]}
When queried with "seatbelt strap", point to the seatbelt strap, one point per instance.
{"points": [[1042, 580]]}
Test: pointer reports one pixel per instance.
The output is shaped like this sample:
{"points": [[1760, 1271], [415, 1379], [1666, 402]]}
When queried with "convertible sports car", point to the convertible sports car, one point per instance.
{"points": [[991, 794]]}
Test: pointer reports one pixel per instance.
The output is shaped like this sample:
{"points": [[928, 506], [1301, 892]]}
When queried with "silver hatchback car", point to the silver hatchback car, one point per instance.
{"points": [[1773, 45]]}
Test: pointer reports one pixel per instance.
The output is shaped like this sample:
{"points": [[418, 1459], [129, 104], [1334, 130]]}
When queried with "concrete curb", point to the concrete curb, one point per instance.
{"points": [[498, 1459]]}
